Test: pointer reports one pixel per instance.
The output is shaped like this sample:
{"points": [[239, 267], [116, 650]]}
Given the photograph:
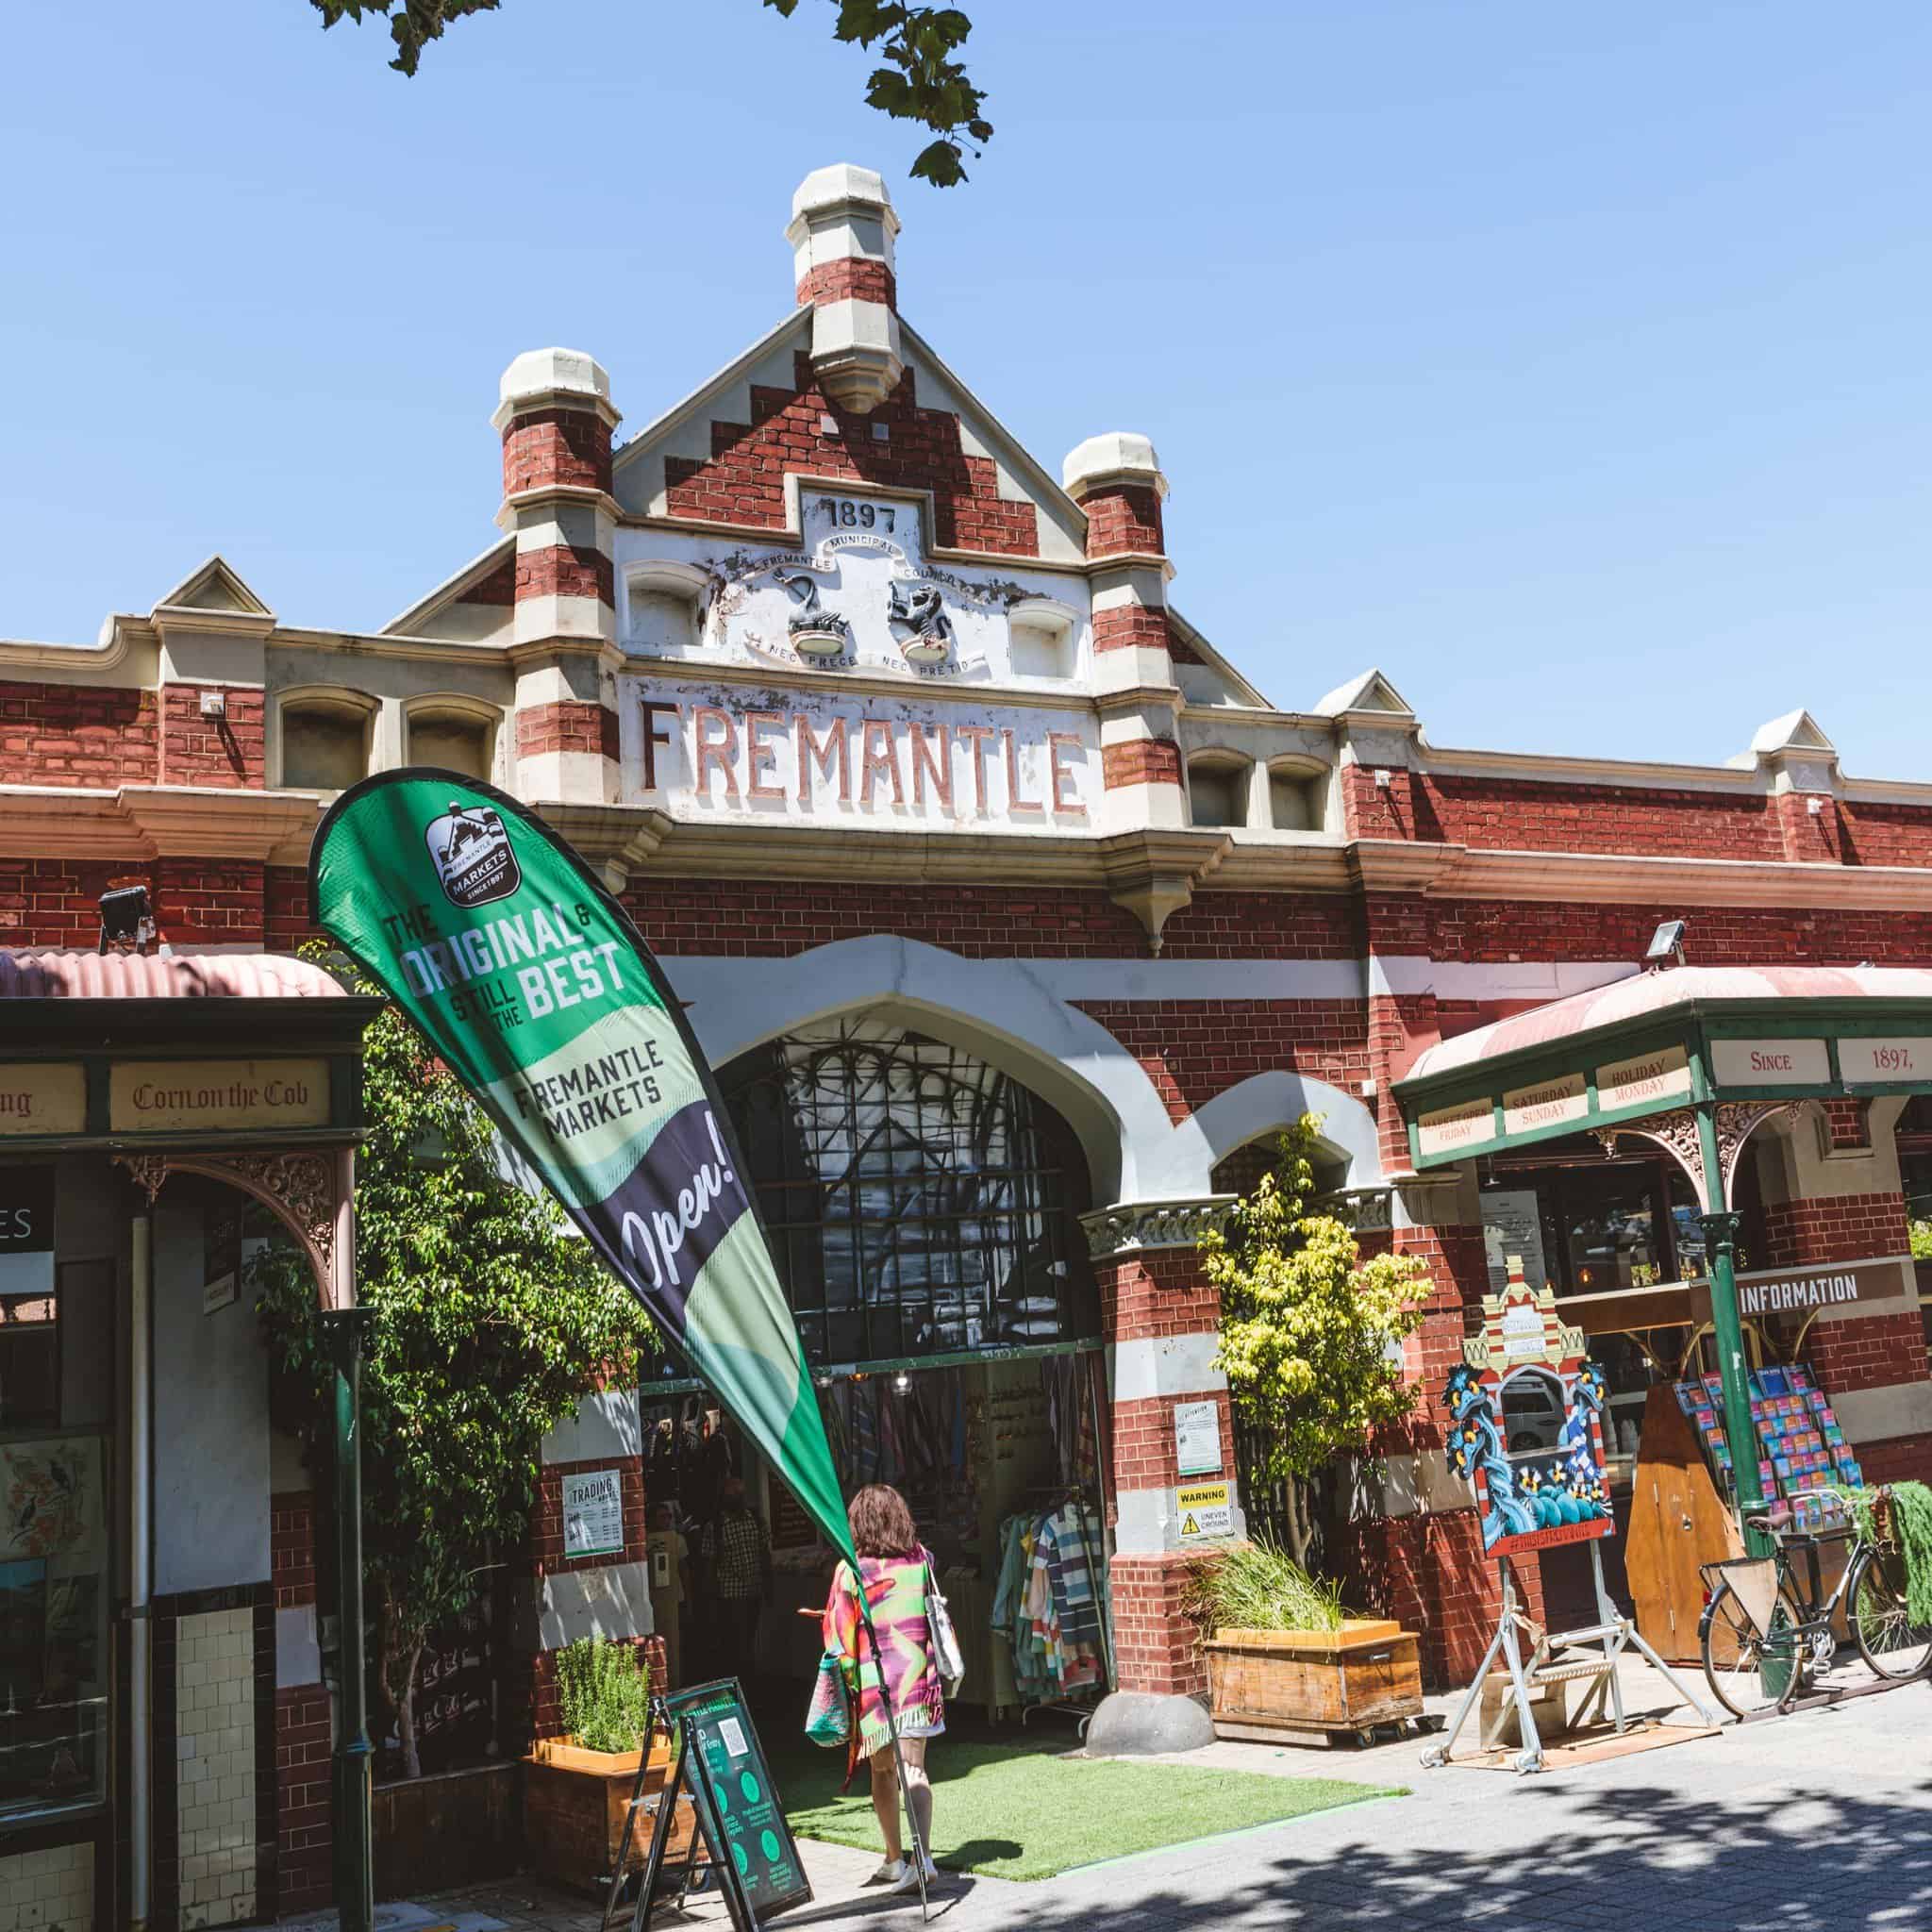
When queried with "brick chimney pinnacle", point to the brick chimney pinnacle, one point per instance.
{"points": [[842, 230]]}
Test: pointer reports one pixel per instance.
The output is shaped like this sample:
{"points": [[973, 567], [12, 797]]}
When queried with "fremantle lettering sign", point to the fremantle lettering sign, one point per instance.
{"points": [[722, 750]]}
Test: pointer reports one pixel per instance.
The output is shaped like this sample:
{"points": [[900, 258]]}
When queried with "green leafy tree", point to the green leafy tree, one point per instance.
{"points": [[1311, 1333], [921, 81], [492, 1320]]}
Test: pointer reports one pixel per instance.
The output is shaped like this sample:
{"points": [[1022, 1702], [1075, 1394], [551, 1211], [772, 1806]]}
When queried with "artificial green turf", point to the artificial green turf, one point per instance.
{"points": [[1014, 1811]]}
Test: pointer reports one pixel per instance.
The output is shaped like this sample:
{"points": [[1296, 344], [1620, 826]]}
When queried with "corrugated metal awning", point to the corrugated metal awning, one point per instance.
{"points": [[76, 975], [1656, 995]]}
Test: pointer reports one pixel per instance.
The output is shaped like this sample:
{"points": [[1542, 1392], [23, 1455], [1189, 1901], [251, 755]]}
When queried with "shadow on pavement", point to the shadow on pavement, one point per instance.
{"points": [[1641, 1855]]}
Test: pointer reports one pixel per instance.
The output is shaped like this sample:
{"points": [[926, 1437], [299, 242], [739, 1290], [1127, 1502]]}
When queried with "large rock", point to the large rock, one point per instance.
{"points": [[1139, 1723]]}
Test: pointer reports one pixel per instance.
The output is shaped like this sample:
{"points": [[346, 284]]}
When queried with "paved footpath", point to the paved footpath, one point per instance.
{"points": [[1820, 1820]]}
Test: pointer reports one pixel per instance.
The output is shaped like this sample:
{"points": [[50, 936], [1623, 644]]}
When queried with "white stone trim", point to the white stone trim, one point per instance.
{"points": [[606, 1424], [1149, 1524], [298, 1654], [1164, 1365], [1258, 1104], [1876, 1415], [1017, 1012], [1401, 974]]}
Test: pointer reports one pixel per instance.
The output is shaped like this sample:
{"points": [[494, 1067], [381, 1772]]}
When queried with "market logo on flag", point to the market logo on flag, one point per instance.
{"points": [[536, 992], [473, 856]]}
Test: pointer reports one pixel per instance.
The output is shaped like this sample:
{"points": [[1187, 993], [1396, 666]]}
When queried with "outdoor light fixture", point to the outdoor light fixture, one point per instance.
{"points": [[127, 918], [1667, 943], [901, 1381]]}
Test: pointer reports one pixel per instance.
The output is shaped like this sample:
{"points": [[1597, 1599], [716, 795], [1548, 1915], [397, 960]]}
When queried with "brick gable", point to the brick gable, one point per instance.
{"points": [[743, 481]]}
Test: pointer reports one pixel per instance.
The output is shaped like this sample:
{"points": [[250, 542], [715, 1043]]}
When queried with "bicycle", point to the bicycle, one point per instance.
{"points": [[1760, 1643]]}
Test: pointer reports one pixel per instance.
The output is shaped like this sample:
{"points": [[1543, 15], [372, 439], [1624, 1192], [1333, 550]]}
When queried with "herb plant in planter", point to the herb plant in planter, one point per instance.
{"points": [[577, 1787], [1286, 1660]]}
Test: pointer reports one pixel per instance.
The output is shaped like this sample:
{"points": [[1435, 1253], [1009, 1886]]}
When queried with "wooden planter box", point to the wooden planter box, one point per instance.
{"points": [[431, 1832], [573, 1812], [1267, 1684]]}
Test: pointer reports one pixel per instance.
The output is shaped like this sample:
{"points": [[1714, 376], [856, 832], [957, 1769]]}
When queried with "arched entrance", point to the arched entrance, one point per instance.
{"points": [[922, 1208], [919, 1201]]}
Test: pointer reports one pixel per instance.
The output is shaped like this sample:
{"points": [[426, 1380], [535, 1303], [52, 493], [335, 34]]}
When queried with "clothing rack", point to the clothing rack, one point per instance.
{"points": [[1047, 1499]]}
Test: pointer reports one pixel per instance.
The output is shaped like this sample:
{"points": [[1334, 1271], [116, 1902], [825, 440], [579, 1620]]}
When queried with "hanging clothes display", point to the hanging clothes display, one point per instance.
{"points": [[1046, 1606]]}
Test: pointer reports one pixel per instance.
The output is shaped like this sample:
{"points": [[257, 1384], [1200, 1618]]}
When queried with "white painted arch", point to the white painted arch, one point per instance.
{"points": [[1264, 1104], [1003, 1010]]}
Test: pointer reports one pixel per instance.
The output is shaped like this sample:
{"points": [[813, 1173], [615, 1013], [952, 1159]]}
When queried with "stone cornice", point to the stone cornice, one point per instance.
{"points": [[1135, 1228], [1626, 880], [156, 822], [1152, 871], [230, 623], [390, 645], [843, 683], [546, 495]]}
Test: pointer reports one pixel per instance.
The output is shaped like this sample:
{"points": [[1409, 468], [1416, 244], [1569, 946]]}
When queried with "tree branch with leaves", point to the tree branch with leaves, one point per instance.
{"points": [[493, 1321], [1311, 1333], [922, 79]]}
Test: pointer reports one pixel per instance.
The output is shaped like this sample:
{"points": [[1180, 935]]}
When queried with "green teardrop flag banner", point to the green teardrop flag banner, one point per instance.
{"points": [[536, 988]]}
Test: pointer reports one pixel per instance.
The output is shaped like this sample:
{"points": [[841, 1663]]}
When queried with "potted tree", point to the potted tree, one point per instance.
{"points": [[577, 1787], [1311, 1339], [1284, 1657]]}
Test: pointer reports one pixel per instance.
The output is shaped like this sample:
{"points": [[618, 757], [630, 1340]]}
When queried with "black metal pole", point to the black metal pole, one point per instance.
{"points": [[352, 1848]]}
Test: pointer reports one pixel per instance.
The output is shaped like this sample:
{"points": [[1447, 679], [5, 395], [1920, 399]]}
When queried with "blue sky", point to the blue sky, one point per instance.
{"points": [[1570, 363]]}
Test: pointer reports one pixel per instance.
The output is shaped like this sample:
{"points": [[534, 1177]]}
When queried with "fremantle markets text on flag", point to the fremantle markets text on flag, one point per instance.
{"points": [[536, 988]]}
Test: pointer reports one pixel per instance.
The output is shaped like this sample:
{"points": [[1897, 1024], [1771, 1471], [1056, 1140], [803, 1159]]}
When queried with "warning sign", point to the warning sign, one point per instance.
{"points": [[1207, 1511]]}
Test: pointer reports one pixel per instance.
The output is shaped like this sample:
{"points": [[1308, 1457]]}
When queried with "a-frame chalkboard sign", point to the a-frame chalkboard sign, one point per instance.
{"points": [[718, 1762]]}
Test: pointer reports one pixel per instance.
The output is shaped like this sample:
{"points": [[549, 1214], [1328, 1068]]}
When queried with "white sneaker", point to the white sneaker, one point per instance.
{"points": [[888, 1874], [908, 1879]]}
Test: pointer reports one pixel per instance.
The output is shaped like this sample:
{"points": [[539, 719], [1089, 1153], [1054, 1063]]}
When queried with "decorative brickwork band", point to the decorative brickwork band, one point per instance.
{"points": [[567, 725], [552, 447], [1125, 626], [1123, 518], [850, 279], [1140, 761], [566, 570]]}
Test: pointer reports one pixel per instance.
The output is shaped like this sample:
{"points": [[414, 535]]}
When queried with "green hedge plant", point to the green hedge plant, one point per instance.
{"points": [[603, 1692]]}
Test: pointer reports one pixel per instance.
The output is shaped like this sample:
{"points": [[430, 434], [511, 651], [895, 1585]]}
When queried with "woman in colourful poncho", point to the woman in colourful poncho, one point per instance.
{"points": [[894, 1570]]}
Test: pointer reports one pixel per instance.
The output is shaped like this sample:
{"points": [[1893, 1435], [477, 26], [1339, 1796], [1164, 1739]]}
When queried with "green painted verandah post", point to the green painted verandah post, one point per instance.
{"points": [[1721, 1260], [352, 1853]]}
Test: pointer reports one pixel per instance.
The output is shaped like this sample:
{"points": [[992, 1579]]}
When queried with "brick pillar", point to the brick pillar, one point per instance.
{"points": [[842, 230], [304, 1726], [556, 418], [1799, 766], [1403, 1020], [1841, 1202], [1376, 735], [1161, 1321], [1414, 1551], [561, 1597], [1116, 479]]}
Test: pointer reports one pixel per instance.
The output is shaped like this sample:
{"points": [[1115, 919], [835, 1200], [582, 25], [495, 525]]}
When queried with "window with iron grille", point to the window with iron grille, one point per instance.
{"points": [[919, 1201]]}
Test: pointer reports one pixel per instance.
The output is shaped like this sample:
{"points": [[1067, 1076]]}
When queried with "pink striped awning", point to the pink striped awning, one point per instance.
{"points": [[135, 977], [1655, 994]]}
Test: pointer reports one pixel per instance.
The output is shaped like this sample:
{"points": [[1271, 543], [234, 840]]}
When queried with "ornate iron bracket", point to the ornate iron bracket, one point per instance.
{"points": [[1677, 1133], [303, 1191]]}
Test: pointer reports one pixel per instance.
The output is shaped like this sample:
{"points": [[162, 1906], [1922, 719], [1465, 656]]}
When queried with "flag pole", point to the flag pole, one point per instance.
{"points": [[879, 1664]]}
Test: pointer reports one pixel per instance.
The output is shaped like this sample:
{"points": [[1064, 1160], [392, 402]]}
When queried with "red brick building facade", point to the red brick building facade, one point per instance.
{"points": [[864, 712]]}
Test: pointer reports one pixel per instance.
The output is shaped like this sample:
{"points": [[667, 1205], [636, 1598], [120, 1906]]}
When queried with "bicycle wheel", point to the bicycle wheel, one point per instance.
{"points": [[1889, 1640], [1748, 1672]]}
